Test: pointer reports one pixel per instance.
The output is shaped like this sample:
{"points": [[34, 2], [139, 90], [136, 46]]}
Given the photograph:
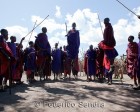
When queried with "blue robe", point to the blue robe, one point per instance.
{"points": [[12, 46], [111, 53], [42, 45], [91, 62], [30, 59], [56, 62], [73, 41], [62, 61]]}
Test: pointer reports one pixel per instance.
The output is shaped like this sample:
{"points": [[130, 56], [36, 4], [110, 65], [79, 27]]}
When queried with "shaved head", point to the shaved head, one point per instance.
{"points": [[44, 29], [106, 20]]}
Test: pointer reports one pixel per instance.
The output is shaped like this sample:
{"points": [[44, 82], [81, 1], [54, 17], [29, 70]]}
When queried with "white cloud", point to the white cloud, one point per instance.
{"points": [[20, 32], [124, 28], [87, 22], [17, 31], [51, 24], [88, 26], [58, 12]]}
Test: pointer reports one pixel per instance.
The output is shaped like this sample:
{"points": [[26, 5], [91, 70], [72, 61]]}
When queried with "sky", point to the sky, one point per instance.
{"points": [[19, 17]]}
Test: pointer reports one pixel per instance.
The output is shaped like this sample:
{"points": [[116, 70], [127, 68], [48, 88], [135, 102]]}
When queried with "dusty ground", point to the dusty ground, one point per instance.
{"points": [[72, 96]]}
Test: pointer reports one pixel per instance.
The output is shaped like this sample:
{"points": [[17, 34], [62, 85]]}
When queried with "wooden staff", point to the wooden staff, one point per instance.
{"points": [[37, 26], [66, 29], [31, 33], [100, 23], [128, 9]]}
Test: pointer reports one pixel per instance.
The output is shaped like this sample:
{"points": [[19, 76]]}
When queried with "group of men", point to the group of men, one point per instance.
{"points": [[39, 59], [100, 61]]}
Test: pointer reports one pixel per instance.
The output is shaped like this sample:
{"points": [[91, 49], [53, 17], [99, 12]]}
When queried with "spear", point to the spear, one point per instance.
{"points": [[100, 23], [66, 29], [128, 9], [37, 25], [31, 33]]}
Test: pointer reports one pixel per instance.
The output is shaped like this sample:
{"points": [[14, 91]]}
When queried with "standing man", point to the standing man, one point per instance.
{"points": [[138, 74], [56, 61], [73, 40], [67, 64], [99, 64], [62, 64], [6, 57], [85, 65], [132, 59], [12, 46], [20, 61], [30, 62], [43, 48], [91, 63]]}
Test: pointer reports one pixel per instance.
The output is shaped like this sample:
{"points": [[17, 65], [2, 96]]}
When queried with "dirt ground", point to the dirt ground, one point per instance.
{"points": [[72, 96]]}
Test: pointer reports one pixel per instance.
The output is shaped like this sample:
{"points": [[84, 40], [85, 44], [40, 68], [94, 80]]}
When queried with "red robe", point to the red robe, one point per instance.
{"points": [[5, 52], [109, 39], [99, 61], [43, 47], [19, 65], [67, 64], [132, 59], [85, 64]]}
